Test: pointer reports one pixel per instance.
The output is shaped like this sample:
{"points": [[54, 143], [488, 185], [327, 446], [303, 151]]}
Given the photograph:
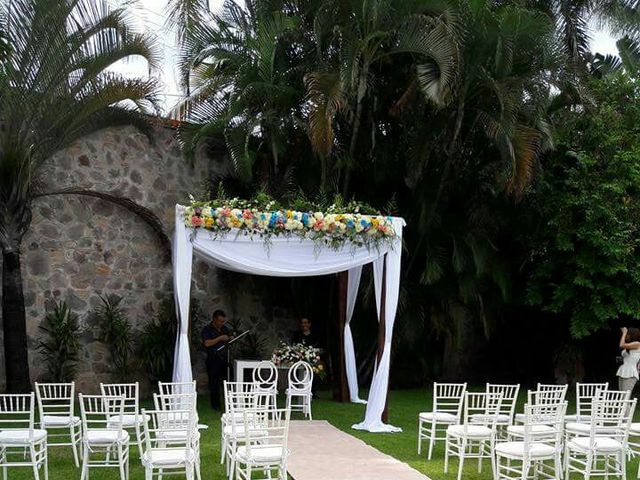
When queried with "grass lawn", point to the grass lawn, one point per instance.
{"points": [[403, 412]]}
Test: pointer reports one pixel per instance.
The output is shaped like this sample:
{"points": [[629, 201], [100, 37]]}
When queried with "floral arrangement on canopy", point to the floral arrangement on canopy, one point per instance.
{"points": [[334, 226], [286, 355]]}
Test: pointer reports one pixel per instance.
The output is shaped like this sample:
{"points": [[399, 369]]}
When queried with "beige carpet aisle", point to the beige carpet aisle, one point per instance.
{"points": [[320, 451]]}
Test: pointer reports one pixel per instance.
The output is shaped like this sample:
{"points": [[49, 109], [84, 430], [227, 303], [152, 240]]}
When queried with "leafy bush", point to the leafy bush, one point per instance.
{"points": [[586, 254], [59, 346], [157, 342], [117, 333]]}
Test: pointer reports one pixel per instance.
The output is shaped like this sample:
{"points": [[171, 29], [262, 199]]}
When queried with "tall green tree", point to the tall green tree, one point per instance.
{"points": [[585, 251], [55, 86]]}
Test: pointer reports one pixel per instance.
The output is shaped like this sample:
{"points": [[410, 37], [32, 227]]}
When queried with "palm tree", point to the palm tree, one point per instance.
{"points": [[243, 88], [352, 37], [55, 86]]}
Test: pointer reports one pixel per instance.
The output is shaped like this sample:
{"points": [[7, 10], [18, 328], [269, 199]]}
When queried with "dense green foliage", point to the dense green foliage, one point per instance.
{"points": [[586, 257], [157, 342], [59, 345]]}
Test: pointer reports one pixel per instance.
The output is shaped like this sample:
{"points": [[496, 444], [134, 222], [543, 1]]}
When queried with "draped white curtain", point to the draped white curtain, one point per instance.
{"points": [[349, 351], [291, 257]]}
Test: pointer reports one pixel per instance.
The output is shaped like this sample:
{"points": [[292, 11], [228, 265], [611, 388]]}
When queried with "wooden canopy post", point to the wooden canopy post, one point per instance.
{"points": [[381, 330], [341, 388]]}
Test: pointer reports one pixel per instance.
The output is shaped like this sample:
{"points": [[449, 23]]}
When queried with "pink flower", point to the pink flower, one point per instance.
{"points": [[196, 221], [247, 214]]}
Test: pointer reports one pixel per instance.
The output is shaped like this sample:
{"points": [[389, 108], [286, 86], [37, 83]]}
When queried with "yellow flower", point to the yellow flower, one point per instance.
{"points": [[289, 214], [208, 222]]}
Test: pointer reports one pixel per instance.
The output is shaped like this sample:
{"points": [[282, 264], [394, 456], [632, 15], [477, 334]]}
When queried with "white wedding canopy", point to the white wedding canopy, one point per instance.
{"points": [[295, 257]]}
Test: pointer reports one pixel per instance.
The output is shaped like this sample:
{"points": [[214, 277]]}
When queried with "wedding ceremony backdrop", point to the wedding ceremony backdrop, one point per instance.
{"points": [[295, 256]]}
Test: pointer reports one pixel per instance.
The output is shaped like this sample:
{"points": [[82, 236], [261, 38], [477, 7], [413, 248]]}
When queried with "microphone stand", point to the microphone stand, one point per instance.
{"points": [[227, 345]]}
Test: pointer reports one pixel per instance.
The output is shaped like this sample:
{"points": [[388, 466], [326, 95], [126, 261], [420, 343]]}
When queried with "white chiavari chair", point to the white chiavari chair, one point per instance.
{"points": [[267, 454], [546, 402], [299, 391], [21, 444], [543, 394], [238, 396], [169, 388], [446, 410], [104, 439], [603, 451], [537, 450], [475, 437], [169, 439], [509, 394], [131, 418], [265, 378], [585, 394], [183, 402], [238, 402], [56, 409], [582, 428]]}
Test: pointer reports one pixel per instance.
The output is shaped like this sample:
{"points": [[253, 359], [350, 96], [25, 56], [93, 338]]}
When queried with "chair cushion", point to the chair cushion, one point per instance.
{"points": [[298, 391], [539, 430], [574, 417], [439, 417], [577, 427], [168, 456], [175, 435], [260, 453], [101, 436], [602, 444], [128, 420], [502, 418], [516, 449], [634, 429], [20, 436], [59, 421], [473, 431], [520, 418], [239, 431]]}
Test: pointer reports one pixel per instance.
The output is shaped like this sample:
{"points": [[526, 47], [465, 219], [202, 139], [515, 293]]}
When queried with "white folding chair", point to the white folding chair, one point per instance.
{"points": [[265, 378], [267, 454], [169, 442], [603, 451], [21, 445], [299, 392], [131, 418], [180, 402], [170, 388], [446, 410], [543, 394], [540, 441], [475, 437], [582, 428], [56, 410], [585, 393], [104, 439]]}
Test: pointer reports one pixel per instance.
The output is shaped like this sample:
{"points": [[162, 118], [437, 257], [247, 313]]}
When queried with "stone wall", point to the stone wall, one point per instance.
{"points": [[79, 247]]}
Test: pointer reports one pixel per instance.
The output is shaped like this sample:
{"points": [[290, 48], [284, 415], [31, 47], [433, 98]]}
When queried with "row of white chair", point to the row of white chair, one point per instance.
{"points": [[103, 425], [599, 431]]}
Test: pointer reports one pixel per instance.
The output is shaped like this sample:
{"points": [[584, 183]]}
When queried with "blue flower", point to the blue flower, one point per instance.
{"points": [[305, 218], [350, 224]]}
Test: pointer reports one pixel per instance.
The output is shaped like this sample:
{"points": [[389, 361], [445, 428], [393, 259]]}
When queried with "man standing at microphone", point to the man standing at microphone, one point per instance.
{"points": [[215, 337]]}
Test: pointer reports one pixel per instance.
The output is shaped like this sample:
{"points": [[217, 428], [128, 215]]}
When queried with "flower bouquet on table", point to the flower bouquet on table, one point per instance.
{"points": [[286, 355]]}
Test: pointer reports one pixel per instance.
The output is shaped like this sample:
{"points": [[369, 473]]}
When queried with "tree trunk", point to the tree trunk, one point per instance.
{"points": [[14, 325]]}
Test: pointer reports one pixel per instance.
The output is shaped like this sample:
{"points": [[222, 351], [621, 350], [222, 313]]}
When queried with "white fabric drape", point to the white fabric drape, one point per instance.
{"points": [[380, 383], [182, 254], [288, 257], [349, 351]]}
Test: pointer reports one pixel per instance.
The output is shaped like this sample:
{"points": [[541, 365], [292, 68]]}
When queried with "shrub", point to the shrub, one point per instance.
{"points": [[59, 346], [116, 331]]}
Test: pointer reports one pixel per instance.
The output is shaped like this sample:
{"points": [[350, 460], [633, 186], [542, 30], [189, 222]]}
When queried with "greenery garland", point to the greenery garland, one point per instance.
{"points": [[266, 218]]}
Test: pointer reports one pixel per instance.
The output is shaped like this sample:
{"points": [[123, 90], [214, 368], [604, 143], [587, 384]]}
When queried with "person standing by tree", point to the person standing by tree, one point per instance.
{"points": [[628, 372], [215, 337]]}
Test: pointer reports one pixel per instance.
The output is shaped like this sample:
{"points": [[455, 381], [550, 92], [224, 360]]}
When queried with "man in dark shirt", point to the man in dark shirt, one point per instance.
{"points": [[215, 337], [305, 335]]}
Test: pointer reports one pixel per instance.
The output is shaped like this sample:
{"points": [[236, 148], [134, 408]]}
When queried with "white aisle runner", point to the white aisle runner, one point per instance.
{"points": [[320, 451]]}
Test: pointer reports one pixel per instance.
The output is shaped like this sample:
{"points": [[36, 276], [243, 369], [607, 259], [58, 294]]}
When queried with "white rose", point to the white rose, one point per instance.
{"points": [[318, 216]]}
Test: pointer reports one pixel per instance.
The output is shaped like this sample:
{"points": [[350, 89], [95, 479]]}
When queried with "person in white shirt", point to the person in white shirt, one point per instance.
{"points": [[628, 372]]}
